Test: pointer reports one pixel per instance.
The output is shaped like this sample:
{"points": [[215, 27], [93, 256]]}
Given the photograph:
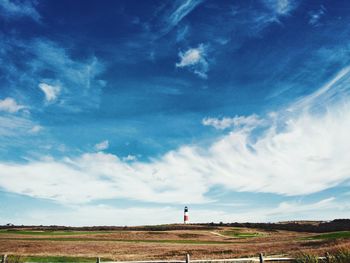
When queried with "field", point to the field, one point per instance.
{"points": [[201, 243]]}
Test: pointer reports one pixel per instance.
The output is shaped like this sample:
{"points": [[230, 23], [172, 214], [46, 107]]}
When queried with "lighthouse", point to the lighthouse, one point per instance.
{"points": [[186, 218]]}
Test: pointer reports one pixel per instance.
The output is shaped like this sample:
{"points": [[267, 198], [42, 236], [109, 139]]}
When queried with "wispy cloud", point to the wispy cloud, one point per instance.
{"points": [[182, 33], [337, 86], [247, 20], [16, 124], [182, 9], [102, 145], [293, 208], [281, 7], [51, 66], [196, 60], [16, 9], [178, 10], [106, 177], [51, 92], [316, 15], [12, 126], [10, 105], [237, 121]]}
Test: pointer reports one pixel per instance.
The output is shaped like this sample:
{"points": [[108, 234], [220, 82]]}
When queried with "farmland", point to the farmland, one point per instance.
{"points": [[42, 245]]}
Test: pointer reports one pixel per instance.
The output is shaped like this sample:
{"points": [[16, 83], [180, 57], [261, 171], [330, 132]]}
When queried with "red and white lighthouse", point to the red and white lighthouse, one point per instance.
{"points": [[186, 218]]}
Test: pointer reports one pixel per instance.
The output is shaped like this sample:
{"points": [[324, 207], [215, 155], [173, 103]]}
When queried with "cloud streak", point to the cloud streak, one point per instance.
{"points": [[182, 9], [12, 126], [16, 9], [173, 15]]}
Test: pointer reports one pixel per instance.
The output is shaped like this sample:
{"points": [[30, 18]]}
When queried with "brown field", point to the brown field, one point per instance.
{"points": [[219, 242]]}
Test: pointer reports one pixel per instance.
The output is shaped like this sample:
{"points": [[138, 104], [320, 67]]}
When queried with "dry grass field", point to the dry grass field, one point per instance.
{"points": [[220, 242]]}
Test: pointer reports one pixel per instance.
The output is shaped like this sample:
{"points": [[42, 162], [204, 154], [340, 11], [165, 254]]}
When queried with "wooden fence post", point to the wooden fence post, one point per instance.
{"points": [[4, 258], [98, 260], [187, 258], [261, 258]]}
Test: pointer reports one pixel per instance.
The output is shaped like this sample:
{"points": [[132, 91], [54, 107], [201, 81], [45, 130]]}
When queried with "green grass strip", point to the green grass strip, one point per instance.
{"points": [[236, 234]]}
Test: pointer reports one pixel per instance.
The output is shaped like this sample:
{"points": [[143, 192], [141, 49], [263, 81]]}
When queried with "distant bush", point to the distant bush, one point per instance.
{"points": [[315, 227]]}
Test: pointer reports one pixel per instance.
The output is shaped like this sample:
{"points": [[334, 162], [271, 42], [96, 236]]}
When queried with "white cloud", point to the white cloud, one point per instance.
{"points": [[10, 105], [51, 92], [299, 153], [13, 9], [102, 145], [104, 176], [191, 57], [36, 129], [237, 121], [130, 158], [195, 60]]}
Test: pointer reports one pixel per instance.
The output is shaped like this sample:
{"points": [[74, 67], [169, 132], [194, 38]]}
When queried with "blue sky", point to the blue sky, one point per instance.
{"points": [[123, 112]]}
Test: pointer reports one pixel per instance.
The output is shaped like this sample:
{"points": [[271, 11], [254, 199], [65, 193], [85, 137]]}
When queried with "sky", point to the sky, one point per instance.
{"points": [[123, 112]]}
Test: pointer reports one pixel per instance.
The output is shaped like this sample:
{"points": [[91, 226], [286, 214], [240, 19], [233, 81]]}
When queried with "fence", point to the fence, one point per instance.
{"points": [[260, 259]]}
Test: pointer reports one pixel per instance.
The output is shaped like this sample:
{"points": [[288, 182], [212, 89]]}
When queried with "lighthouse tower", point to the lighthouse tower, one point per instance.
{"points": [[186, 218]]}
